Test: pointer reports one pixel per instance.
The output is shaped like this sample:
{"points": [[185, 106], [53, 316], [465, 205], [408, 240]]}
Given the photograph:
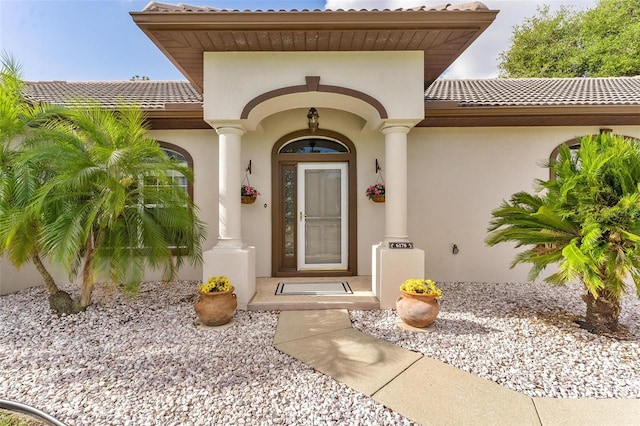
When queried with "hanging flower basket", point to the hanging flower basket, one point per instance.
{"points": [[376, 192], [248, 194]]}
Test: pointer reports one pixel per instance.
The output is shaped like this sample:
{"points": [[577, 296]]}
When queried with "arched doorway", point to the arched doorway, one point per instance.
{"points": [[314, 229]]}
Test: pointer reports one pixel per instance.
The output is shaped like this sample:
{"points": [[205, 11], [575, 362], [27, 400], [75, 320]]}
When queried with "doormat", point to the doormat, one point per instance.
{"points": [[331, 288]]}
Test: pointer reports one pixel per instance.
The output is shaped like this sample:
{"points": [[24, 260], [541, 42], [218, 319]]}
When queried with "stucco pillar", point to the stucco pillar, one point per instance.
{"points": [[392, 265], [230, 256], [229, 181], [395, 208]]}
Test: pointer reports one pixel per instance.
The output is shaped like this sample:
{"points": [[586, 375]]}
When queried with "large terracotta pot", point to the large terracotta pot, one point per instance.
{"points": [[417, 310], [216, 308]]}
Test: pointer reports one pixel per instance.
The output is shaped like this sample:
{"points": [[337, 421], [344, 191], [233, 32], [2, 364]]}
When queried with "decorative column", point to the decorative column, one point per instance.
{"points": [[229, 181], [395, 209], [392, 264], [230, 256]]}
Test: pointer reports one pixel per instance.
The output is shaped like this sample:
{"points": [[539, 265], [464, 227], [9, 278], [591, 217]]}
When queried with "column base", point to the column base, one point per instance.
{"points": [[390, 267], [238, 264]]}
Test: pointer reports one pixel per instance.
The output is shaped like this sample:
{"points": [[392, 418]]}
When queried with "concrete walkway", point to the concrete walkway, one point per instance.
{"points": [[425, 390]]}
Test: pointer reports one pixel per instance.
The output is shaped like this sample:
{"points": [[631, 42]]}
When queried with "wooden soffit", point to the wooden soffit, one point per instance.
{"points": [[441, 34], [183, 117], [448, 114]]}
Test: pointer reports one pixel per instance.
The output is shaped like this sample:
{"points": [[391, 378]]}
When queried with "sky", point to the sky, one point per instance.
{"points": [[96, 40]]}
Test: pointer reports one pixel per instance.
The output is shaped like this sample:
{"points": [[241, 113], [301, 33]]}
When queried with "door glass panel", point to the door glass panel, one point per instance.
{"points": [[313, 146], [289, 212], [323, 220]]}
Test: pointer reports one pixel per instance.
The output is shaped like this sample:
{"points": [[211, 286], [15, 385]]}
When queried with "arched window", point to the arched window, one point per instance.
{"points": [[574, 146], [314, 146], [180, 154]]}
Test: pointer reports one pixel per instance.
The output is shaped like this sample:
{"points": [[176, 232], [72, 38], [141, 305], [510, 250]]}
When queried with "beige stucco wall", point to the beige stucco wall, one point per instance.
{"points": [[13, 279], [233, 79], [457, 176]]}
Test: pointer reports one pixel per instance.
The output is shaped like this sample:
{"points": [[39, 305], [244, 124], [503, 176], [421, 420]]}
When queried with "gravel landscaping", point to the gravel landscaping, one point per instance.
{"points": [[523, 336], [141, 360]]}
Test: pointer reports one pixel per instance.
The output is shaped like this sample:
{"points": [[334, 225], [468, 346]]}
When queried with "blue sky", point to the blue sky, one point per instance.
{"points": [[87, 40]]}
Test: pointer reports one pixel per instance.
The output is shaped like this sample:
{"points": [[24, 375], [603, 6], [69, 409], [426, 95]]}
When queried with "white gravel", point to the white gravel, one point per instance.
{"points": [[523, 336], [141, 360]]}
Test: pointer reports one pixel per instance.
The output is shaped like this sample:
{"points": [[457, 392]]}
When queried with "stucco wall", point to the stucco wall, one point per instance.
{"points": [[458, 176], [233, 79]]}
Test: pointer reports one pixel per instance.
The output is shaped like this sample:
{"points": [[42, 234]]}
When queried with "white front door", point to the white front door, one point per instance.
{"points": [[322, 216]]}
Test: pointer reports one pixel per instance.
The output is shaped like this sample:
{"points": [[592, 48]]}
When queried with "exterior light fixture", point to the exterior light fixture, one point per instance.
{"points": [[312, 118]]}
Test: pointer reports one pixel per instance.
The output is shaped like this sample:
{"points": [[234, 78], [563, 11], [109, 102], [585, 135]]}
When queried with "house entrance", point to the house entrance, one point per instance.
{"points": [[322, 216], [314, 231]]}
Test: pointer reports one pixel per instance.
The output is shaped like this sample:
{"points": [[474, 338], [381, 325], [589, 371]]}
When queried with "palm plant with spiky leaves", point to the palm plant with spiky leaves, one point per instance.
{"points": [[112, 205], [20, 119], [586, 220]]}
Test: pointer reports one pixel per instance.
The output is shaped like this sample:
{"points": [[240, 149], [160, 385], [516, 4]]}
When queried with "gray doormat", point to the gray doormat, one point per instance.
{"points": [[331, 288]]}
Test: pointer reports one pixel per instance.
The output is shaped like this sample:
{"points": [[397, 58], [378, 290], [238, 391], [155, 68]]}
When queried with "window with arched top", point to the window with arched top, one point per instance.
{"points": [[180, 154], [314, 146], [574, 146]]}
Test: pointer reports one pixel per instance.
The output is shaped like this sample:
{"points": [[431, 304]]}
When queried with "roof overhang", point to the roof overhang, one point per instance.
{"points": [[180, 117], [450, 114], [442, 34]]}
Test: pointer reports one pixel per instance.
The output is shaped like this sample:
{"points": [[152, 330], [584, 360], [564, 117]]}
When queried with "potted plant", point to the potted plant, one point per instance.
{"points": [[248, 194], [216, 302], [376, 192], [418, 304]]}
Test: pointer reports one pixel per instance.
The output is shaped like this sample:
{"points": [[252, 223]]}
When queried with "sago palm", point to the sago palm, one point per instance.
{"points": [[586, 220], [113, 208]]}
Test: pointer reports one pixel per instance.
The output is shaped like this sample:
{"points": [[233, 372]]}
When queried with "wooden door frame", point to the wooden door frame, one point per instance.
{"points": [[278, 162]]}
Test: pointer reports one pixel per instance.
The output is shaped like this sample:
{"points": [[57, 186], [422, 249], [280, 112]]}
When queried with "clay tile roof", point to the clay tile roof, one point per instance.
{"points": [[159, 95], [164, 7], [537, 91], [148, 95]]}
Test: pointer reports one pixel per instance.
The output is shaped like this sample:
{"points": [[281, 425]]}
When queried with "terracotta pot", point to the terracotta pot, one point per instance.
{"points": [[417, 310], [216, 308], [245, 199], [377, 198]]}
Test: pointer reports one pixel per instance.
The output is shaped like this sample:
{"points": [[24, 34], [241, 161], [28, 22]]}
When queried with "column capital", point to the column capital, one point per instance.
{"points": [[397, 126], [233, 130], [228, 127]]}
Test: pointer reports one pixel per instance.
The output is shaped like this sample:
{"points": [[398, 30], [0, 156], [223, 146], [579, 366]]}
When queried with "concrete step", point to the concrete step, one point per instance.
{"points": [[265, 298]]}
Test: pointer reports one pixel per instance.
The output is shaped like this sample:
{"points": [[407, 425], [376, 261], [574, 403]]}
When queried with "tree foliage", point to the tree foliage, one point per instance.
{"points": [[600, 42], [586, 220], [89, 190], [19, 239]]}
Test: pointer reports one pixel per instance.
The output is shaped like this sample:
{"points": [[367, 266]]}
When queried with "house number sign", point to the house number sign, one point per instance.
{"points": [[400, 245]]}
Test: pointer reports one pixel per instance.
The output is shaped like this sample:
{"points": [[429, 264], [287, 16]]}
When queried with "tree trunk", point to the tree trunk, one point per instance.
{"points": [[59, 301], [49, 282], [602, 312], [87, 278]]}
